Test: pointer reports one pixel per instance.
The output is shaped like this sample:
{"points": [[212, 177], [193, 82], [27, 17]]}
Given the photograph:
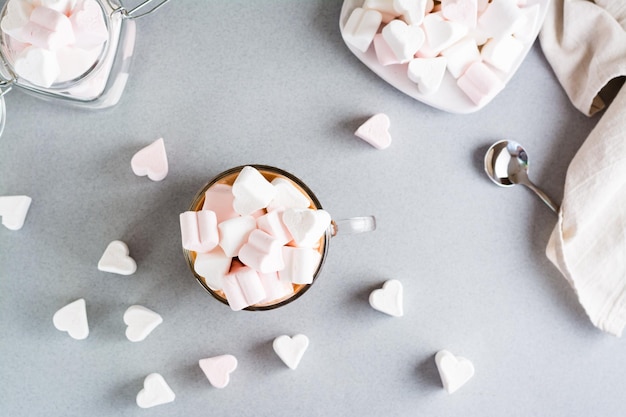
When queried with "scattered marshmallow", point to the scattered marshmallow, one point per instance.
{"points": [[199, 230], [140, 322], [300, 264], [213, 266], [262, 252], [234, 233], [219, 199], [502, 53], [388, 299], [427, 73], [291, 349], [115, 259], [251, 191], [375, 131], [218, 369], [361, 28], [454, 371], [151, 161], [404, 40], [13, 210], [480, 83], [287, 196], [73, 319], [307, 226], [155, 392]]}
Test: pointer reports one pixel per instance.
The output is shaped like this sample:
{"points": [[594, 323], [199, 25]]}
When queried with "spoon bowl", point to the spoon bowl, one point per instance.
{"points": [[506, 164]]}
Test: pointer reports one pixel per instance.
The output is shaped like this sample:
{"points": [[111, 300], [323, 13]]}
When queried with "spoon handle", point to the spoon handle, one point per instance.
{"points": [[543, 196]]}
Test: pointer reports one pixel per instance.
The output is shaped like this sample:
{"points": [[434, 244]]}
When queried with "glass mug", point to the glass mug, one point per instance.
{"points": [[345, 226], [100, 81]]}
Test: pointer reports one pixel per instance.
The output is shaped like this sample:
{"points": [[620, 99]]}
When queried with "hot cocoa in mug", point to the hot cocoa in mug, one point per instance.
{"points": [[273, 265]]}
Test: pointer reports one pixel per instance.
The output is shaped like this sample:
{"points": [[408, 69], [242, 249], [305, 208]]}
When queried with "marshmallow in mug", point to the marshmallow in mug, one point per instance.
{"points": [[54, 41], [464, 32], [255, 241]]}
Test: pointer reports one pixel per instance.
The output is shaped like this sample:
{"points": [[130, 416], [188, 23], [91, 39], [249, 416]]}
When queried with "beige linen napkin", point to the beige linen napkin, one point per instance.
{"points": [[588, 244], [585, 43]]}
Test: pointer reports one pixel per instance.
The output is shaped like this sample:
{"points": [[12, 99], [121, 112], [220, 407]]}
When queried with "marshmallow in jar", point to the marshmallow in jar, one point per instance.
{"points": [[73, 51]]}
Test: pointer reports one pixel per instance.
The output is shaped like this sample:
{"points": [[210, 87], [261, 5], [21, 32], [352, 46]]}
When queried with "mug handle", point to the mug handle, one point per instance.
{"points": [[353, 225]]}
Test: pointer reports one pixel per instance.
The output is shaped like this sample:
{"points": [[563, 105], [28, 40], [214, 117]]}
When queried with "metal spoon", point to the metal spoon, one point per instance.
{"points": [[506, 163]]}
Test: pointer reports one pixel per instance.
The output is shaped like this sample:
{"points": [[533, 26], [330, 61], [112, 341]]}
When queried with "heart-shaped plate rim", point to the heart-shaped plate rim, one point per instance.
{"points": [[449, 97]]}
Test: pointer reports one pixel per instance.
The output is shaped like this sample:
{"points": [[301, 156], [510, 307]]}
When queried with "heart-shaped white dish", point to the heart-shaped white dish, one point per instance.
{"points": [[449, 97]]}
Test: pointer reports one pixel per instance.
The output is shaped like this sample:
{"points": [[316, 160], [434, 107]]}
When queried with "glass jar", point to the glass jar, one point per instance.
{"points": [[100, 78]]}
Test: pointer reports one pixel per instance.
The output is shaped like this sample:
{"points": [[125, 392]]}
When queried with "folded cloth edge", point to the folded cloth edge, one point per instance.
{"points": [[583, 64], [603, 301]]}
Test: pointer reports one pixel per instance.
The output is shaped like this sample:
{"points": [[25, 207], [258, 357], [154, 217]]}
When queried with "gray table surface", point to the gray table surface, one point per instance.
{"points": [[230, 83]]}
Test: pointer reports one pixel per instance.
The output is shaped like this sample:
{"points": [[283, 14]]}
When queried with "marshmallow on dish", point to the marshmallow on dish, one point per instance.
{"points": [[480, 83], [427, 73], [404, 40], [213, 266], [306, 226], [361, 27], [502, 53], [251, 191], [199, 230], [500, 18], [412, 11], [461, 11], [461, 55], [384, 53], [441, 33]]}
